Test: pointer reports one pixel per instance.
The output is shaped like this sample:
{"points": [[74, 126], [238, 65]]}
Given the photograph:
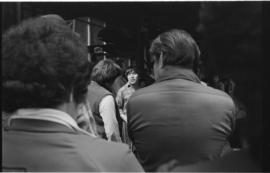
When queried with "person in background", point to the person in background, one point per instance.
{"points": [[177, 117], [146, 78], [86, 120], [127, 90], [118, 83], [123, 96], [45, 74], [238, 139], [102, 102], [217, 83], [120, 80], [230, 88]]}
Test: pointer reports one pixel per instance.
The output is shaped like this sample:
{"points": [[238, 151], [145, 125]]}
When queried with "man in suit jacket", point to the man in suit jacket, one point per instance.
{"points": [[177, 117]]}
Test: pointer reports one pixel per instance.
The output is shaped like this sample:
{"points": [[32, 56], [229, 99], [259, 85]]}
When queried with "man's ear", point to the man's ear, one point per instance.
{"points": [[71, 97], [160, 61]]}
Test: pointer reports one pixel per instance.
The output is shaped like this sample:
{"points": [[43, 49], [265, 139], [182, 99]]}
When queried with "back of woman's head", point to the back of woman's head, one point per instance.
{"points": [[178, 48], [105, 72], [43, 62]]}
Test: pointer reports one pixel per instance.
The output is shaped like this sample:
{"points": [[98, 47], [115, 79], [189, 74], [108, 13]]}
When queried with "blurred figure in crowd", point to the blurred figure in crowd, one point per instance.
{"points": [[127, 90], [123, 96], [229, 89], [85, 119], [146, 78], [118, 83], [238, 139], [120, 80], [177, 117], [217, 83], [102, 102], [45, 74]]}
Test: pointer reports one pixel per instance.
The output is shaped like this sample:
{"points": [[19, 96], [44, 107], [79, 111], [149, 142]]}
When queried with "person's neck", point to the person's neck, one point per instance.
{"points": [[176, 68], [107, 86], [69, 108], [169, 71], [135, 85]]}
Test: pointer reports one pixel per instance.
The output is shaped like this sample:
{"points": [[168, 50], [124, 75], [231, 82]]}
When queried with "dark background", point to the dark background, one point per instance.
{"points": [[229, 35]]}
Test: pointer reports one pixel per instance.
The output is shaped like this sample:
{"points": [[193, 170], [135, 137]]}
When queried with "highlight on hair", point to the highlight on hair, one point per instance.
{"points": [[178, 48], [43, 62]]}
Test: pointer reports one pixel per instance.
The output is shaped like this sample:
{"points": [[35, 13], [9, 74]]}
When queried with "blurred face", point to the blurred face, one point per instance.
{"points": [[231, 87], [132, 77], [216, 78]]}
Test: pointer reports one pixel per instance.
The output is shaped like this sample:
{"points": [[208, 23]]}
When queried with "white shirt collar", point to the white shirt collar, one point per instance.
{"points": [[52, 115]]}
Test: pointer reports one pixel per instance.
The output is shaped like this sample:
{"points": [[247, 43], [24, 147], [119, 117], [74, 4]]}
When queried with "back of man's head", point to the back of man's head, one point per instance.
{"points": [[177, 47]]}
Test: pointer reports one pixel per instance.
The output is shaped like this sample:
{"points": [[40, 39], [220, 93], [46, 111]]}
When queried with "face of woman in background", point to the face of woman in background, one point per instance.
{"points": [[132, 78]]}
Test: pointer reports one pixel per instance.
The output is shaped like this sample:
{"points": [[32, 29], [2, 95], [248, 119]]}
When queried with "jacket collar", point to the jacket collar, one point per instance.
{"points": [[46, 118], [34, 125], [95, 84], [169, 72]]}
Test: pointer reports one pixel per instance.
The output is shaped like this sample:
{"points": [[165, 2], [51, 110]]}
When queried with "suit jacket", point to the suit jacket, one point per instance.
{"points": [[38, 145], [179, 118], [236, 161]]}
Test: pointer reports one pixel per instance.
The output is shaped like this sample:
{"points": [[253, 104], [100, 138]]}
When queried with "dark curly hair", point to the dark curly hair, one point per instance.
{"points": [[43, 62], [105, 72]]}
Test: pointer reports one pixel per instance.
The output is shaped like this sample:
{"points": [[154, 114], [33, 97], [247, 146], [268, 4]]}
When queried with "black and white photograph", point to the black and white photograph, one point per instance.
{"points": [[134, 86]]}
